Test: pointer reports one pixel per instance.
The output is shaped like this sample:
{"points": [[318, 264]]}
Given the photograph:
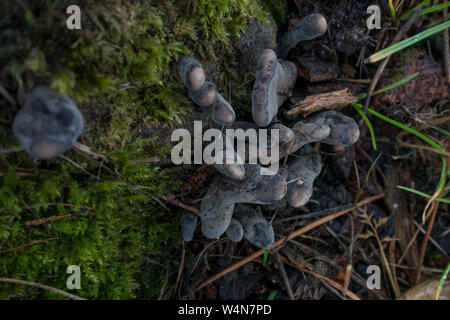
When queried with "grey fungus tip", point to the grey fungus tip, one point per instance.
{"points": [[302, 172], [48, 124], [269, 77], [304, 134], [344, 131], [235, 171], [273, 85], [191, 73], [310, 27], [206, 96], [223, 112], [290, 77], [235, 231], [204, 93], [319, 22], [285, 134], [234, 168], [47, 149], [257, 230], [188, 224]]}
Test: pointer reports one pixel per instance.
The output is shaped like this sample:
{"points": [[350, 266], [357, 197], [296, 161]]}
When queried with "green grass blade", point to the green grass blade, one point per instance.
{"points": [[372, 166], [390, 87], [427, 10], [441, 130], [411, 12], [392, 9], [367, 121], [402, 126], [396, 84], [420, 193], [442, 281], [406, 43], [441, 183], [272, 295], [266, 253]]}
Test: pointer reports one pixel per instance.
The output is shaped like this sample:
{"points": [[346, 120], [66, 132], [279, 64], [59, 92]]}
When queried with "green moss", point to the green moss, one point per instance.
{"points": [[278, 10], [120, 70]]}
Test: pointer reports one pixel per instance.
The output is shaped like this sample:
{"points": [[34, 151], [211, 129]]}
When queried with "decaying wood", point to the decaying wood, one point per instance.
{"points": [[403, 220], [317, 102]]}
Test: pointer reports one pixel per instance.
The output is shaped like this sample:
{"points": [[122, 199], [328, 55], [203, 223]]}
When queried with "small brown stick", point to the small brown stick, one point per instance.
{"points": [[416, 146], [425, 240], [85, 150], [281, 241], [355, 276], [446, 50], [383, 258], [180, 270], [203, 252], [23, 174], [314, 214], [338, 286], [333, 283], [392, 264], [42, 286], [11, 150], [39, 221], [174, 201], [31, 243], [7, 96], [434, 242], [433, 213], [77, 165], [321, 101], [383, 65], [349, 267], [284, 275], [153, 160]]}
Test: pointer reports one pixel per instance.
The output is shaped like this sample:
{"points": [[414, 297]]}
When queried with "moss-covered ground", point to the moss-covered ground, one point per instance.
{"points": [[104, 216]]}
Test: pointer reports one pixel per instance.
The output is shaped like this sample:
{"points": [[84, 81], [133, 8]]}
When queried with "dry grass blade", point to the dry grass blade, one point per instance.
{"points": [[284, 276], [333, 283], [446, 50], [180, 270]]}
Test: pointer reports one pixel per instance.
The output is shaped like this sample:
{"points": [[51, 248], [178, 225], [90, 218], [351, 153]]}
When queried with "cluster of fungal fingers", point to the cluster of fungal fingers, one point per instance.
{"points": [[226, 207]]}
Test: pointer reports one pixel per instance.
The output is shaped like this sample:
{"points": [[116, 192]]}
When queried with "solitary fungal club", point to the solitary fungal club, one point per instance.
{"points": [[48, 124]]}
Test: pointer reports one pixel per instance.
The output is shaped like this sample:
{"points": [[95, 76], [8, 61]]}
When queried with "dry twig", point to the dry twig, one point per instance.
{"points": [[328, 100], [42, 286], [284, 275]]}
